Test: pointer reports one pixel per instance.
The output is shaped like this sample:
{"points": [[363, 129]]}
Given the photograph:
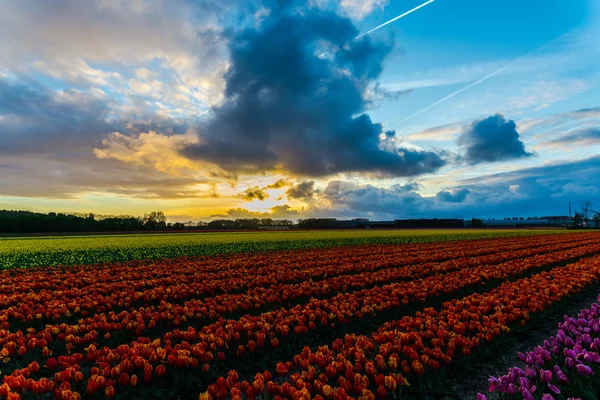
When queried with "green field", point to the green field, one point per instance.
{"points": [[68, 250]]}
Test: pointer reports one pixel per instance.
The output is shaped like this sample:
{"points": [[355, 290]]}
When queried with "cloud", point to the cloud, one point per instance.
{"points": [[159, 151], [38, 120], [279, 184], [492, 139], [453, 196], [538, 191], [372, 201], [586, 113], [254, 193], [580, 137], [542, 94], [112, 31], [48, 140], [358, 9], [103, 43], [287, 108], [437, 133], [261, 193], [78, 175], [277, 212], [303, 191]]}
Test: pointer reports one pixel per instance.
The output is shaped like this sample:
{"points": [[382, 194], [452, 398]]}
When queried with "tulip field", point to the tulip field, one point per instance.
{"points": [[404, 315]]}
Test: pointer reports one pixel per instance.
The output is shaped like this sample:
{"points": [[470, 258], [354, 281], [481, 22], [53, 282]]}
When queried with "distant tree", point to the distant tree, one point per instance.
{"points": [[586, 210], [476, 223], [156, 220], [596, 219], [577, 218]]}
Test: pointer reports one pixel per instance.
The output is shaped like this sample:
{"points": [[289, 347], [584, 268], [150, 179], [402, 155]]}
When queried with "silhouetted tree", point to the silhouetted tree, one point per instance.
{"points": [[577, 218], [156, 220], [586, 210], [476, 223], [596, 219]]}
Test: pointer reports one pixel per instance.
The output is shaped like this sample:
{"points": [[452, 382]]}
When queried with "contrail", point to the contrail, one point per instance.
{"points": [[478, 82], [574, 129], [394, 19], [386, 23]]}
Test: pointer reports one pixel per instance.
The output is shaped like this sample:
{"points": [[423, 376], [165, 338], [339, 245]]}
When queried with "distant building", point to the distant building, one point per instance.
{"points": [[516, 223], [429, 223], [561, 220]]}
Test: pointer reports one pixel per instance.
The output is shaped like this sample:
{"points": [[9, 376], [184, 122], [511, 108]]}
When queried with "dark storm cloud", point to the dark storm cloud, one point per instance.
{"points": [[492, 139], [302, 191], [287, 107]]}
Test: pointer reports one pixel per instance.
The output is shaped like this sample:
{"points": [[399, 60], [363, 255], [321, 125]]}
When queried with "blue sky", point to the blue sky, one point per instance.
{"points": [[462, 108]]}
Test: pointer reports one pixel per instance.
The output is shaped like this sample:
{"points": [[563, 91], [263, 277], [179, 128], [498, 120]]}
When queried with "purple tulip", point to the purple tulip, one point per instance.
{"points": [[481, 396], [584, 370], [546, 376], [494, 383], [569, 353], [547, 397], [527, 395], [524, 383], [553, 388], [562, 378]]}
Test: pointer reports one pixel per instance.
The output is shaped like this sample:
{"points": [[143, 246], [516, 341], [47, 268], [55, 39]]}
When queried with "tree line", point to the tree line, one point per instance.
{"points": [[33, 222]]}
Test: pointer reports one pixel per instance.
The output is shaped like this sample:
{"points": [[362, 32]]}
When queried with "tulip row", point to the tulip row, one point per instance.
{"points": [[565, 365], [406, 350]]}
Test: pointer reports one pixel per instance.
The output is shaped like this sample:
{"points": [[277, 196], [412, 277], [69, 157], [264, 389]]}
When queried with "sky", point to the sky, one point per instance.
{"points": [[295, 109]]}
